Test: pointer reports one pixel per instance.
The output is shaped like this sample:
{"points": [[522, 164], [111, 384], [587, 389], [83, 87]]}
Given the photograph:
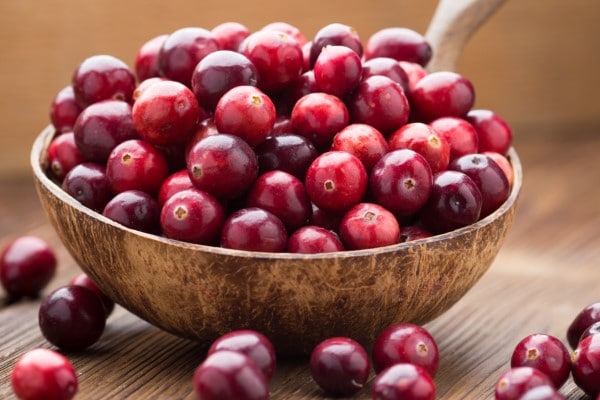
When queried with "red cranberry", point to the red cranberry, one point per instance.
{"points": [[230, 35], [300, 87], [145, 84], [414, 72], [591, 330], [286, 152], [84, 280], [174, 183], [72, 318], [183, 50], [222, 165], [87, 183], [325, 219], [205, 128], [251, 343], [340, 366], [229, 374], [515, 382], [368, 225], [286, 28], [401, 44], [312, 239], [503, 163], [543, 392], [363, 141], [282, 126], [42, 374], [193, 216], [545, 353], [247, 112], [102, 77], [254, 229], [335, 34], [386, 66], [413, 232], [403, 381], [493, 131], [460, 135], [424, 140], [63, 155], [64, 110], [442, 94], [134, 209], [146, 58], [337, 70], [586, 365], [27, 264], [586, 317]]}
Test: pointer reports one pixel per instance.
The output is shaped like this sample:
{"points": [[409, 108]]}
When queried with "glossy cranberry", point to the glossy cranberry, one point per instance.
{"points": [[281, 126], [460, 135], [176, 182], [340, 366], [489, 178], [134, 209], [72, 318], [590, 330], [87, 183], [401, 44], [251, 343], [504, 165], [286, 28], [545, 353], [277, 57], [222, 165], [335, 34], [101, 127], [363, 141], [586, 365], [413, 232], [205, 128], [145, 84], [230, 35], [403, 381], [401, 181], [414, 72], [254, 229], [442, 94], [318, 117], [27, 264], [385, 66], [454, 202], [426, 141], [313, 239], [247, 112], [325, 219], [493, 131], [84, 280], [229, 374], [336, 181], [337, 70], [380, 102], [43, 374], [515, 382], [63, 155], [183, 50], [146, 58], [64, 110], [286, 152], [543, 392], [585, 318], [368, 225]]}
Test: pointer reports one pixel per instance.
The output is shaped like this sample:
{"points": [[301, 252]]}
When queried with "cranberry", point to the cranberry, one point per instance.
{"points": [[251, 343], [336, 181], [286, 28], [503, 163], [146, 58], [27, 264], [205, 128], [306, 49], [586, 317], [301, 86], [493, 131], [337, 70], [72, 318], [42, 374], [102, 126], [193, 216], [543, 392], [424, 140], [401, 44], [102, 77], [64, 110], [282, 126], [87, 183], [145, 84], [442, 94], [387, 67], [174, 183], [325, 219], [363, 141], [254, 229], [340, 366], [460, 135], [222, 165], [401, 181], [134, 209], [286, 152], [591, 330], [84, 280], [512, 384], [230, 35], [335, 34], [586, 365], [247, 112], [63, 155], [414, 72], [413, 232], [312, 239], [403, 381], [545, 353], [368, 225], [229, 374]]}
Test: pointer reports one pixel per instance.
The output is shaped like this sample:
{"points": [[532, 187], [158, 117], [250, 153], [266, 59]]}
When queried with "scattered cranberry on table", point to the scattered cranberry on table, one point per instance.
{"points": [[584, 319], [515, 382], [586, 365], [403, 381]]}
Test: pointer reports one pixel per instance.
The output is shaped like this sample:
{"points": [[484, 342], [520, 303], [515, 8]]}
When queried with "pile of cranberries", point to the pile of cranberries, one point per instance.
{"points": [[267, 141]]}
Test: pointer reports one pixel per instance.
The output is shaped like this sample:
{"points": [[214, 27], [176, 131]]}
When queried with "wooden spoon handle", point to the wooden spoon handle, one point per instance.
{"points": [[453, 23]]}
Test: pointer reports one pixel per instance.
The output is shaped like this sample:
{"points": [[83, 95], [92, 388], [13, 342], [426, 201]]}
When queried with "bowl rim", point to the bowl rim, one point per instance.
{"points": [[38, 157]]}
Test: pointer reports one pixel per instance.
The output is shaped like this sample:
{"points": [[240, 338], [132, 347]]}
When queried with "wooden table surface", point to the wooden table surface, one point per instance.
{"points": [[546, 272]]}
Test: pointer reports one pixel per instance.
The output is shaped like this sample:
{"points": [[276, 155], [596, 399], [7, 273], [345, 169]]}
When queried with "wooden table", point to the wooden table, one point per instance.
{"points": [[546, 272]]}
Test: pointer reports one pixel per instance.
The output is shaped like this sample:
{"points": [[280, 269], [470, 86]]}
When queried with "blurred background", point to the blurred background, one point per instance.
{"points": [[535, 62]]}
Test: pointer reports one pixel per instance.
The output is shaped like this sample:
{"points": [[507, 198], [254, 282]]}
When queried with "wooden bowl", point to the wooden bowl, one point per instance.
{"points": [[200, 292]]}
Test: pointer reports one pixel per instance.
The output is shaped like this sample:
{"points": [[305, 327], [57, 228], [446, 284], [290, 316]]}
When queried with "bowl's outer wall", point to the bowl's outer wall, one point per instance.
{"points": [[200, 293]]}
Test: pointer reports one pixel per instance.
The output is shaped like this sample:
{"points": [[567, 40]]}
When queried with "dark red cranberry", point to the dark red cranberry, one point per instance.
{"points": [[254, 229], [64, 110], [84, 280], [42, 374], [460, 135], [325, 219], [386, 66], [494, 133], [401, 181], [247, 112], [222, 165], [286, 152], [363, 141], [403, 381], [424, 140], [146, 58], [101, 127], [413, 232], [63, 155], [335, 34], [442, 94], [134, 209], [586, 317], [586, 365], [287, 28], [230, 35], [591, 330], [337, 70], [515, 382], [336, 181], [102, 77], [300, 87], [368, 225], [87, 183], [414, 72], [229, 374], [251, 343], [340, 366], [205, 128], [27, 264], [545, 353], [313, 239], [193, 216], [72, 318], [401, 44], [174, 183], [504, 165], [543, 392]]}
